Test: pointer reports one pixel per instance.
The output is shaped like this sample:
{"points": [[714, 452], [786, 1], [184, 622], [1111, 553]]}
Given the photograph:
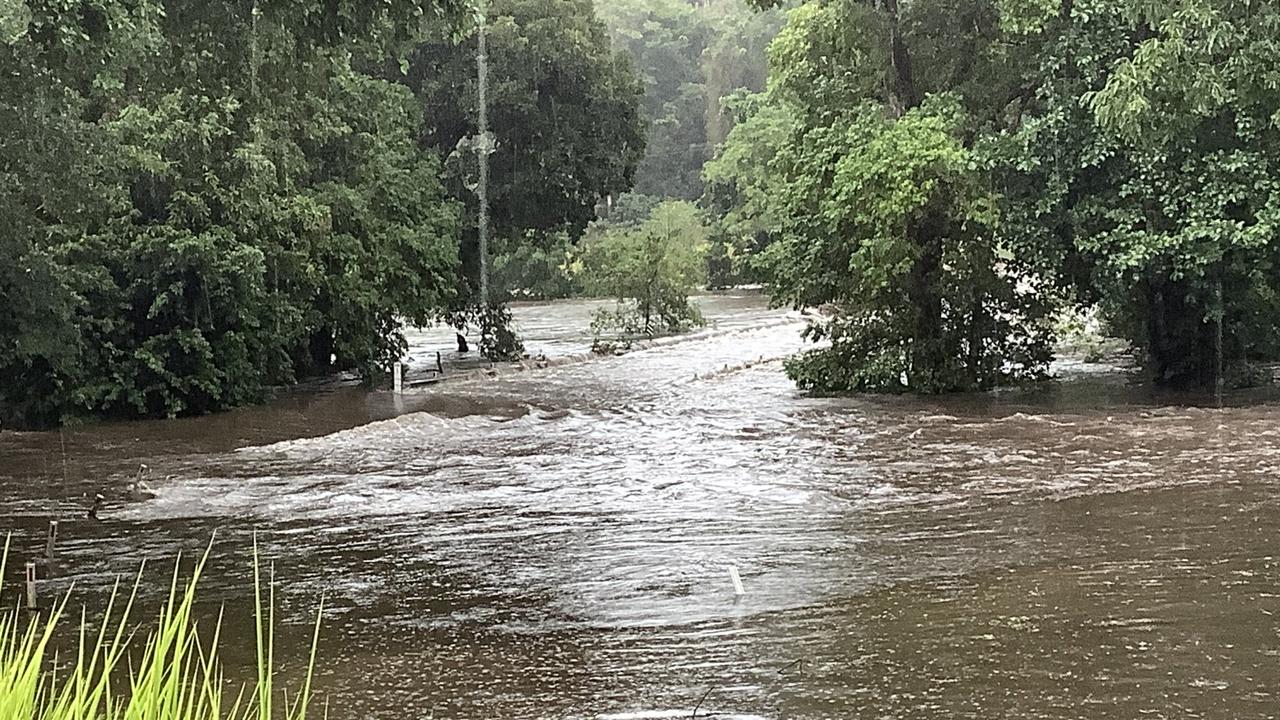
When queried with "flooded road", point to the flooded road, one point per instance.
{"points": [[556, 543]]}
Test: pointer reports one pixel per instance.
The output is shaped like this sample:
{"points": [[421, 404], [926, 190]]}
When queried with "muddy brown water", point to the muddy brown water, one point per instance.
{"points": [[556, 543]]}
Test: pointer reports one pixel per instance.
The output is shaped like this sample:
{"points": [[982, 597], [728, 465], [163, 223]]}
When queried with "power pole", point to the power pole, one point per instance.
{"points": [[484, 148]]}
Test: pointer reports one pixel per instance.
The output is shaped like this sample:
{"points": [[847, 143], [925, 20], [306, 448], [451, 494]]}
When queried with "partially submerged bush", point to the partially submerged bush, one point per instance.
{"points": [[651, 267], [619, 328]]}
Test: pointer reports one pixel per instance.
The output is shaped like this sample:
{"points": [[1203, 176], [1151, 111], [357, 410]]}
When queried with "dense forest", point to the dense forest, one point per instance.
{"points": [[947, 175], [203, 201], [693, 61], [206, 200]]}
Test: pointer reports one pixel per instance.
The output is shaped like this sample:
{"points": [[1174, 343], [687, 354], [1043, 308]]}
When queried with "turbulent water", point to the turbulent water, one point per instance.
{"points": [[557, 543]]}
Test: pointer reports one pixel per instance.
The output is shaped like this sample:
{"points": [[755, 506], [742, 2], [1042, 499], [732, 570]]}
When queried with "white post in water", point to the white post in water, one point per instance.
{"points": [[51, 540], [737, 581], [31, 586], [397, 378]]}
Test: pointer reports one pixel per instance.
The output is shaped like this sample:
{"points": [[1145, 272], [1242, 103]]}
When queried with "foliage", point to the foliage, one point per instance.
{"points": [[179, 676], [908, 215], [650, 267], [632, 208], [192, 232], [1187, 242], [1158, 165], [689, 56], [498, 339], [878, 205], [211, 199], [540, 267], [564, 108], [1102, 153], [742, 182]]}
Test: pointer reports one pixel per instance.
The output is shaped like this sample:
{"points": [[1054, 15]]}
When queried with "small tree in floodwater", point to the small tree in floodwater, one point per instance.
{"points": [[651, 267]]}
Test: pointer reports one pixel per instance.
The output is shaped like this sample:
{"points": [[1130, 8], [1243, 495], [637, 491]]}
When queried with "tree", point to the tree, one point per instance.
{"points": [[215, 200], [651, 267], [665, 40], [564, 108], [1119, 154], [538, 267], [860, 166], [1187, 241], [690, 56], [903, 243], [1150, 147], [742, 183]]}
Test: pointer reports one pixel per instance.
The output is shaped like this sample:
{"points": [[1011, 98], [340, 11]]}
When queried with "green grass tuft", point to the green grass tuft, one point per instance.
{"points": [[178, 677]]}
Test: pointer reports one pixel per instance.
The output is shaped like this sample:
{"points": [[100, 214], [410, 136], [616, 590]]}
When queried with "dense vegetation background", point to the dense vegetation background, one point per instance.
{"points": [[946, 175], [203, 200]]}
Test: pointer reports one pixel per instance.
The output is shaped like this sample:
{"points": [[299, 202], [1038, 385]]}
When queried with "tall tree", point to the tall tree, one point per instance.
{"points": [[880, 205], [564, 110], [1187, 238], [690, 56], [1151, 146], [237, 204], [1099, 152]]}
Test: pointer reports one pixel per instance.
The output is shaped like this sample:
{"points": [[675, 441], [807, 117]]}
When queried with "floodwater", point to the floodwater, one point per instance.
{"points": [[557, 543]]}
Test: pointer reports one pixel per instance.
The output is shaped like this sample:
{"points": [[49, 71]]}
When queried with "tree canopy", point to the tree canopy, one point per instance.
{"points": [[209, 199], [690, 56], [564, 109], [944, 175]]}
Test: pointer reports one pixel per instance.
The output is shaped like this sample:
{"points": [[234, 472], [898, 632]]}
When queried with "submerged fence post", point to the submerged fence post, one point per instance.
{"points": [[51, 540], [31, 586], [737, 581], [439, 364], [397, 378]]}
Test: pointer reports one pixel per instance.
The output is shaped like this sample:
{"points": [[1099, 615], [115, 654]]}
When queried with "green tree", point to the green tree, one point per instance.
{"points": [[690, 56], [742, 183], [1186, 241], [213, 200], [1150, 147], [903, 244], [564, 109], [538, 267], [665, 40], [651, 267], [861, 168]]}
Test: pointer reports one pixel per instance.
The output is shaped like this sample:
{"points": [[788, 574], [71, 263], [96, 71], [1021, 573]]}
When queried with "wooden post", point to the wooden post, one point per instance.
{"points": [[439, 364], [31, 586], [397, 378], [51, 540]]}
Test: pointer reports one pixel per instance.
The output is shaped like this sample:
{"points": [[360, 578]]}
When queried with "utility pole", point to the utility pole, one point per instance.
{"points": [[484, 148]]}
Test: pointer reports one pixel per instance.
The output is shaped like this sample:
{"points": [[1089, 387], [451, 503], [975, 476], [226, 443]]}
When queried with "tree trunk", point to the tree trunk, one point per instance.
{"points": [[928, 356], [903, 94], [1182, 347], [320, 349]]}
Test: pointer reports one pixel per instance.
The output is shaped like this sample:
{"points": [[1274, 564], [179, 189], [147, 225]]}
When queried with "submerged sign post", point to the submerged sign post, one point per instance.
{"points": [[737, 581], [32, 601], [51, 540]]}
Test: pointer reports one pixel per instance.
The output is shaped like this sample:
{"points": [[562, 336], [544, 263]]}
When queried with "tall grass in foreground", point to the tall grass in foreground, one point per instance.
{"points": [[178, 678]]}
